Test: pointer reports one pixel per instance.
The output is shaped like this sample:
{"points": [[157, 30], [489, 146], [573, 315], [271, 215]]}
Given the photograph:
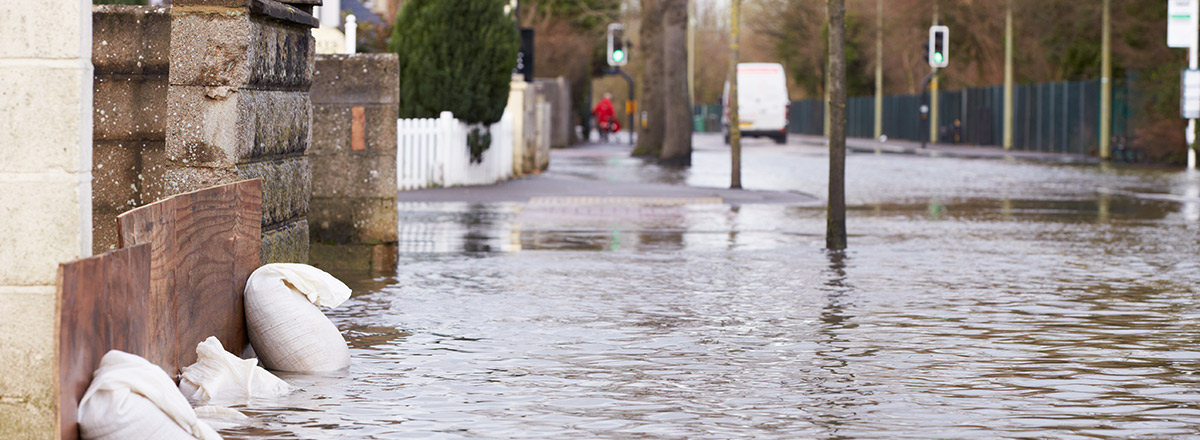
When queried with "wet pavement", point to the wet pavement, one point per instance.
{"points": [[979, 299]]}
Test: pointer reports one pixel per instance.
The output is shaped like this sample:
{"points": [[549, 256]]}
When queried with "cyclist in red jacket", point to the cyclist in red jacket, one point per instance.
{"points": [[606, 120]]}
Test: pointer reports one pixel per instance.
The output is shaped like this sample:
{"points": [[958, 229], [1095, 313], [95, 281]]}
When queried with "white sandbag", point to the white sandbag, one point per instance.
{"points": [[222, 378], [286, 327], [131, 398]]}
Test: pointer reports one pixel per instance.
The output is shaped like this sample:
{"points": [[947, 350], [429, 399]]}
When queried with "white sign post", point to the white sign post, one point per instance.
{"points": [[1183, 23]]}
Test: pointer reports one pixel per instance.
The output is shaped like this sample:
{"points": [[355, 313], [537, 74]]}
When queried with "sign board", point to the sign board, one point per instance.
{"points": [[525, 55], [1183, 22], [1189, 99]]}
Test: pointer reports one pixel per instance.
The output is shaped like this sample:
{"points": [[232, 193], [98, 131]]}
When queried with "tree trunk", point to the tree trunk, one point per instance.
{"points": [[835, 232], [650, 138], [677, 133]]}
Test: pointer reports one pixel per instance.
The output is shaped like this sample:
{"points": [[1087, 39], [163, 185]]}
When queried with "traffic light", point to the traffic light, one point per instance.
{"points": [[938, 47], [618, 54]]}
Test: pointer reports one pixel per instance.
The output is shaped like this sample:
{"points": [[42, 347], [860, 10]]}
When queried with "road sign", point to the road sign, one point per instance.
{"points": [[1189, 99], [1183, 21]]}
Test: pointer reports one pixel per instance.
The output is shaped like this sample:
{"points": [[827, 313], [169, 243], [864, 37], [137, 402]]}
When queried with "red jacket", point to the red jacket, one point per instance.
{"points": [[605, 114]]}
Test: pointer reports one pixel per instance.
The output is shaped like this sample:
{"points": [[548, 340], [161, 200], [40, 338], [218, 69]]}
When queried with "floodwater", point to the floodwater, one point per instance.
{"points": [[978, 299]]}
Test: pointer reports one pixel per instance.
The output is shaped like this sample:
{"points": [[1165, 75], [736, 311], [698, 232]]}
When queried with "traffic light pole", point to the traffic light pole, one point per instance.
{"points": [[925, 108], [631, 103]]}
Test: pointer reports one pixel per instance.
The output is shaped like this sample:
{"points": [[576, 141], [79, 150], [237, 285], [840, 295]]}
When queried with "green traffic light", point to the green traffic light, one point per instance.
{"points": [[618, 55], [937, 57]]}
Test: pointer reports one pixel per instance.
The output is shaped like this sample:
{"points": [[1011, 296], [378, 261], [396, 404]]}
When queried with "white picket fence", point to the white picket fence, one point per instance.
{"points": [[434, 152]]}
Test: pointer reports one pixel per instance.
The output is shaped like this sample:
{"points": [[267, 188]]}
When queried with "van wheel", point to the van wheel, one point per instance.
{"points": [[781, 138]]}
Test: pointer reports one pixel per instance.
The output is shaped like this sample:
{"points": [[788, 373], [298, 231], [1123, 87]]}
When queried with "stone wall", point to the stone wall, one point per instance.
{"points": [[45, 193], [129, 53], [238, 101], [353, 216]]}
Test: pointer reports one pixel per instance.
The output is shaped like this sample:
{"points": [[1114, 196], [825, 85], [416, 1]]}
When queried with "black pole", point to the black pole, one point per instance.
{"points": [[629, 80], [923, 123]]}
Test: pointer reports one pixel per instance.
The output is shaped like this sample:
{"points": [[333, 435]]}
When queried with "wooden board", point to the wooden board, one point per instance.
{"points": [[203, 247], [101, 306]]}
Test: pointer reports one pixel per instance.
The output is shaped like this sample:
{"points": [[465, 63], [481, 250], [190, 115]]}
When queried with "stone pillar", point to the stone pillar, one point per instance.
{"points": [[129, 50], [239, 108], [353, 216], [519, 93], [45, 193]]}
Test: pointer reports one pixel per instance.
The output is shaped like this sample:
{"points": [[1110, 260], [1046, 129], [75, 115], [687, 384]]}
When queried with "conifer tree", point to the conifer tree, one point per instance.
{"points": [[456, 56]]}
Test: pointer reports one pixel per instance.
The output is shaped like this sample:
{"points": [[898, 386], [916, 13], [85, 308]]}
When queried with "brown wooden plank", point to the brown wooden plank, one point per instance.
{"points": [[95, 315], [153, 224], [204, 245]]}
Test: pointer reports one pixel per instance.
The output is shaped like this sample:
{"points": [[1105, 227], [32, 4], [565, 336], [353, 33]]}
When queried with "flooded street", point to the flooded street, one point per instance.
{"points": [[978, 299]]}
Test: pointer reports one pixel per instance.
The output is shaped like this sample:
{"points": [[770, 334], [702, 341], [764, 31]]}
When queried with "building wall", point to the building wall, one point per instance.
{"points": [[353, 218], [45, 193]]}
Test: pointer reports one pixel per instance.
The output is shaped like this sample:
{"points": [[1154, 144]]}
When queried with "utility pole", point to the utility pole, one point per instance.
{"points": [[933, 92], [835, 224], [878, 69], [1105, 85], [735, 129], [1008, 76]]}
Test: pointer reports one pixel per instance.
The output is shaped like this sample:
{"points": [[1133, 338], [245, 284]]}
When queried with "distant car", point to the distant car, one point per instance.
{"points": [[762, 102]]}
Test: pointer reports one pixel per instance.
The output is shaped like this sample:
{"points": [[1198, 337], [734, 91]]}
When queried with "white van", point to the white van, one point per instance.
{"points": [[762, 102]]}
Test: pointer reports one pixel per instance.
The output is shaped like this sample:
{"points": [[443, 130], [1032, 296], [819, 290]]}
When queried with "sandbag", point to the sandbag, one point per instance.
{"points": [[219, 377], [284, 321], [130, 398]]}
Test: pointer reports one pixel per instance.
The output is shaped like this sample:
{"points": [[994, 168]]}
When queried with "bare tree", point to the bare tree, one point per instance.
{"points": [[835, 227], [677, 111], [650, 138]]}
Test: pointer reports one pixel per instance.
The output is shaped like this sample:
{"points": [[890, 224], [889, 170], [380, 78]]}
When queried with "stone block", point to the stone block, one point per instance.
{"points": [[286, 185], [354, 261], [356, 79], [354, 174], [204, 128], [210, 49], [286, 243], [177, 180], [131, 40], [343, 220], [44, 114], [115, 170], [282, 56], [27, 362], [46, 221], [332, 129], [129, 108], [281, 123], [41, 29]]}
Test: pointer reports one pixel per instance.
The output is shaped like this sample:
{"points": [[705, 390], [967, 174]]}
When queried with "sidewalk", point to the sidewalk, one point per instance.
{"points": [[603, 173], [865, 145]]}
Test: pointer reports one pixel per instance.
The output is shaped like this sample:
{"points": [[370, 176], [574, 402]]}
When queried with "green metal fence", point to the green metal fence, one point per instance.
{"points": [[1060, 117]]}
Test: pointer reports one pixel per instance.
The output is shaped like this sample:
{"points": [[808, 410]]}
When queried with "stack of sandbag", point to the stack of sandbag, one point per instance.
{"points": [[219, 377], [131, 398], [286, 326]]}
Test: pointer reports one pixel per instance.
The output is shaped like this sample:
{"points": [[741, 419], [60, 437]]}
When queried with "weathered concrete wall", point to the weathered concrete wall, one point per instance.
{"points": [[45, 193], [353, 218], [240, 72], [557, 92], [532, 125], [129, 51]]}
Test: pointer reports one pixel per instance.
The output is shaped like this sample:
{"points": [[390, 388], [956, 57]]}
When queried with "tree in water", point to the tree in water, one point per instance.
{"points": [[677, 106], [835, 228]]}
